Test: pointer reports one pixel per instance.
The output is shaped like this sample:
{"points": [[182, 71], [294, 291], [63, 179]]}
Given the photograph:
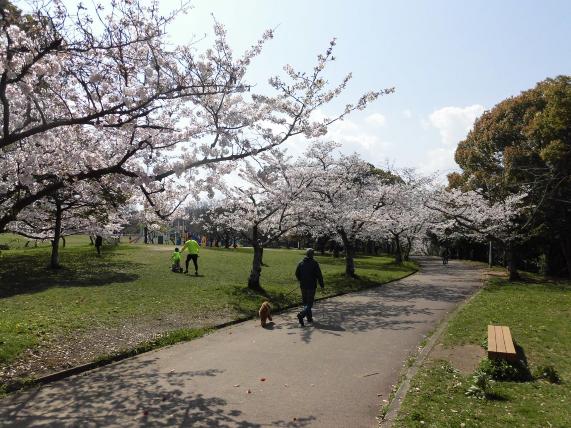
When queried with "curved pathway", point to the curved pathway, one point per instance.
{"points": [[335, 373]]}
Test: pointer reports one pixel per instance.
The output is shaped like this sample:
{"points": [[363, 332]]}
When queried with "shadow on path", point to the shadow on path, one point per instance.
{"points": [[399, 305], [120, 396]]}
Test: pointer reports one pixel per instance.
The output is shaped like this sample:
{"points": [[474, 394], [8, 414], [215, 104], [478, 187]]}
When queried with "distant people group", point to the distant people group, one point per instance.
{"points": [[175, 258], [193, 248], [308, 273], [445, 254]]}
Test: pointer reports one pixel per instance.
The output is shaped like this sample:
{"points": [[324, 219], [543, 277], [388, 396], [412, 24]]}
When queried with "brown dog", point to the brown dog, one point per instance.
{"points": [[264, 313]]}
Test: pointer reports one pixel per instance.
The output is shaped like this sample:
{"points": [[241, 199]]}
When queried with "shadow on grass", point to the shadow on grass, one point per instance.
{"points": [[522, 364], [247, 301], [495, 396], [28, 273]]}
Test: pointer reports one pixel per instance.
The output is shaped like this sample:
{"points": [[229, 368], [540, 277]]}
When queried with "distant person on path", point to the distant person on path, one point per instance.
{"points": [[98, 243], [445, 254], [176, 261], [308, 273], [193, 248]]}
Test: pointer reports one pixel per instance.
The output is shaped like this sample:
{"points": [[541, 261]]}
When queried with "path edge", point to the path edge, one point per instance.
{"points": [[124, 355], [394, 406]]}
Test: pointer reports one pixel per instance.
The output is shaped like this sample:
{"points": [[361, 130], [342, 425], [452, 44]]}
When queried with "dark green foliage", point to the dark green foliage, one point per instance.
{"points": [[547, 373], [481, 387], [503, 370], [524, 142]]}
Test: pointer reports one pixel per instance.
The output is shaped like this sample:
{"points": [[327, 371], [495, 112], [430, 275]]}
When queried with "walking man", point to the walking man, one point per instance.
{"points": [[308, 273], [193, 248]]}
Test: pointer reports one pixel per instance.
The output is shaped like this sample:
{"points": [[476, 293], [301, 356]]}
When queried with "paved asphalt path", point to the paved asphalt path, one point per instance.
{"points": [[326, 375]]}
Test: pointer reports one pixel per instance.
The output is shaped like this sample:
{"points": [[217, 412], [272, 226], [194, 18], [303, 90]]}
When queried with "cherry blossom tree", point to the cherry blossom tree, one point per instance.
{"points": [[102, 93], [90, 208], [471, 215], [404, 218], [264, 207], [344, 197]]}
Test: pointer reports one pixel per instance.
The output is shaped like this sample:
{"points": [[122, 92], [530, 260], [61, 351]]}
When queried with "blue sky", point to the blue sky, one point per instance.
{"points": [[449, 60]]}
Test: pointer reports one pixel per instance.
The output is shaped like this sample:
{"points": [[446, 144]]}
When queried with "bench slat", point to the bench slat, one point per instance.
{"points": [[491, 339], [509, 343], [501, 346]]}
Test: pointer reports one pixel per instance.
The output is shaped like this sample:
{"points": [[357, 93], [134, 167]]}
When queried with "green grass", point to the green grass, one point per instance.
{"points": [[19, 242], [133, 284], [538, 314]]}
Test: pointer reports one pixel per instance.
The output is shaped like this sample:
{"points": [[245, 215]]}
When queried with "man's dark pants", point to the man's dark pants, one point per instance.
{"points": [[307, 297], [194, 258]]}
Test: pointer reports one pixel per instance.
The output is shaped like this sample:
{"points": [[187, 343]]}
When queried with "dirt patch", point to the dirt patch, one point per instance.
{"points": [[83, 347], [496, 274], [465, 358]]}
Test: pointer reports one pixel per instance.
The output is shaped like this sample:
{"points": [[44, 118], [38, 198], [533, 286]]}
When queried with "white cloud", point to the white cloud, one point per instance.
{"points": [[360, 136], [352, 136], [439, 160], [376, 119], [453, 123], [356, 138], [407, 113]]}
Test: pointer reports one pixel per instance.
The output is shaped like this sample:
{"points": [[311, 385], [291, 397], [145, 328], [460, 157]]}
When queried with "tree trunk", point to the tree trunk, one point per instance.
{"points": [[63, 241], [321, 244], [398, 250], [256, 272], [512, 263], [349, 245], [566, 250], [407, 250], [54, 260]]}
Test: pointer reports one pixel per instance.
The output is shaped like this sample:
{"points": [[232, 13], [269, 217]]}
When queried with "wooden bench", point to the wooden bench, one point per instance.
{"points": [[500, 343]]}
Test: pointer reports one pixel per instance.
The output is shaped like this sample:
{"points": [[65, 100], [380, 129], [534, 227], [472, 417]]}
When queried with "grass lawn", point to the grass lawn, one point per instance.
{"points": [[130, 289], [539, 316]]}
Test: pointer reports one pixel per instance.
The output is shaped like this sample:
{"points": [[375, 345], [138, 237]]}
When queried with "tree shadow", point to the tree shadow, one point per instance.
{"points": [[496, 396], [395, 306], [28, 273], [379, 305], [297, 423], [133, 393], [334, 317]]}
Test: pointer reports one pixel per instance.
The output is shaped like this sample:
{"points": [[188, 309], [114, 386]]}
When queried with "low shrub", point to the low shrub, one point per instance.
{"points": [[503, 370], [481, 387], [547, 373]]}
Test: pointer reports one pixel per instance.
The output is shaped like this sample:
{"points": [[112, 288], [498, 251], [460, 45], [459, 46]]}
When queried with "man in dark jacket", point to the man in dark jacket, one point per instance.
{"points": [[308, 274]]}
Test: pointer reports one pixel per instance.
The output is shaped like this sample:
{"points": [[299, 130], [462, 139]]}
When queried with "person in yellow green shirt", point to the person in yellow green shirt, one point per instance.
{"points": [[193, 248], [176, 260]]}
